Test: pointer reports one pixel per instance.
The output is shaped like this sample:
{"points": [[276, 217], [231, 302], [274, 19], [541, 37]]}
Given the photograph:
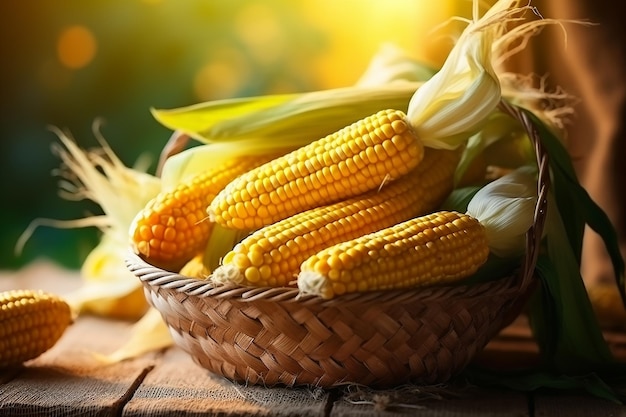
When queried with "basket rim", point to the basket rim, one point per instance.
{"points": [[158, 278], [519, 281]]}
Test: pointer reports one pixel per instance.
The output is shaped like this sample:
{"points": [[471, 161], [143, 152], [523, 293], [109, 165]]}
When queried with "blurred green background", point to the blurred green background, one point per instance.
{"points": [[69, 63]]}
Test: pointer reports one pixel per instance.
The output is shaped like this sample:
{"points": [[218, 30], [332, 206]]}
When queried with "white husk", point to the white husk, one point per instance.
{"points": [[120, 192], [392, 65], [450, 106], [148, 334], [506, 207]]}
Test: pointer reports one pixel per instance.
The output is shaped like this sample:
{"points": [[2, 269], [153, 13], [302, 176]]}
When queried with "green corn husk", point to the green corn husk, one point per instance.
{"points": [[291, 119], [574, 354], [244, 126], [389, 81]]}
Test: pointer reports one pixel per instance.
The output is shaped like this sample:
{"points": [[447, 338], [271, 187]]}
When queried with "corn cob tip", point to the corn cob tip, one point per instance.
{"points": [[311, 282], [226, 274], [172, 227]]}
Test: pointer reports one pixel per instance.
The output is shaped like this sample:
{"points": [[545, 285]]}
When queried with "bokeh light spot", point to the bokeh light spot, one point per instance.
{"points": [[76, 47], [223, 75], [258, 26]]}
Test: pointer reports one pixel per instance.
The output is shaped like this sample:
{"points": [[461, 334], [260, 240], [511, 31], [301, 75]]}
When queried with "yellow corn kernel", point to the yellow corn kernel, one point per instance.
{"points": [[351, 161], [272, 255], [31, 322], [434, 249], [195, 268], [173, 226]]}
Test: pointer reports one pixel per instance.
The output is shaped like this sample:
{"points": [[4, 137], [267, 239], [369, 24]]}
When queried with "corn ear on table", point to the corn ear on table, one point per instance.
{"points": [[68, 380]]}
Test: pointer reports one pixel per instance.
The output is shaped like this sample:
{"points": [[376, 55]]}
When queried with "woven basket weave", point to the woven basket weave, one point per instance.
{"points": [[272, 336]]}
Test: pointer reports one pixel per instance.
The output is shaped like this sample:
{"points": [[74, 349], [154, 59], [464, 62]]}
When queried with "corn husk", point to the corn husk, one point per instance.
{"points": [[108, 288], [506, 208], [450, 106], [394, 65], [148, 334]]}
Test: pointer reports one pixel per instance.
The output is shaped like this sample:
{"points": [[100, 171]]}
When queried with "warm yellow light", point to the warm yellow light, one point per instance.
{"points": [[260, 30], [356, 29], [76, 47], [222, 76]]}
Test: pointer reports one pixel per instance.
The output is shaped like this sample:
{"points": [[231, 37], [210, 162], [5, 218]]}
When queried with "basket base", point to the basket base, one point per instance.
{"points": [[425, 338]]}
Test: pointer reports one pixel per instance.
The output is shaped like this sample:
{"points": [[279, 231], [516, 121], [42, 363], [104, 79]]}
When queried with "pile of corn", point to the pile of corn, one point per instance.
{"points": [[352, 211]]}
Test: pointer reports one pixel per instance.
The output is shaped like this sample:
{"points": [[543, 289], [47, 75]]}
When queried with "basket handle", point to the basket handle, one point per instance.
{"points": [[535, 233]]}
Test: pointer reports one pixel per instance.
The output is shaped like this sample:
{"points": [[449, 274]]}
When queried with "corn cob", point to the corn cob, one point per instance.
{"points": [[31, 322], [434, 249], [271, 256], [173, 226], [351, 161], [195, 268]]}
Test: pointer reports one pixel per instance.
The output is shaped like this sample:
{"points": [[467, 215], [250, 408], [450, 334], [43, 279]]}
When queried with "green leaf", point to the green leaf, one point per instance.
{"points": [[500, 141], [574, 352], [285, 120], [565, 185], [576, 343], [545, 309], [576, 206], [221, 241], [201, 117]]}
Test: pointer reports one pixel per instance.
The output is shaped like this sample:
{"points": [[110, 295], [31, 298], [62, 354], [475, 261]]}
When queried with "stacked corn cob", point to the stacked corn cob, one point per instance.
{"points": [[272, 255], [312, 224]]}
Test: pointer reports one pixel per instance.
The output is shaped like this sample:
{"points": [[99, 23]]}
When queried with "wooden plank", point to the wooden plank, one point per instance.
{"points": [[584, 405], [512, 349], [437, 401], [617, 343], [178, 387], [69, 380]]}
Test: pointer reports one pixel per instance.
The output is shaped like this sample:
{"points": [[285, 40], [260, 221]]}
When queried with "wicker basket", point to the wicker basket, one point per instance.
{"points": [[272, 336]]}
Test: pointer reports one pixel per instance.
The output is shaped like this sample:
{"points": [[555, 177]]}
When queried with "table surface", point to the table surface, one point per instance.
{"points": [[70, 380]]}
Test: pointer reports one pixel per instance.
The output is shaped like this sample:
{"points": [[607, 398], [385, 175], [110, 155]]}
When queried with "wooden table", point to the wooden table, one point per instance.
{"points": [[69, 380]]}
